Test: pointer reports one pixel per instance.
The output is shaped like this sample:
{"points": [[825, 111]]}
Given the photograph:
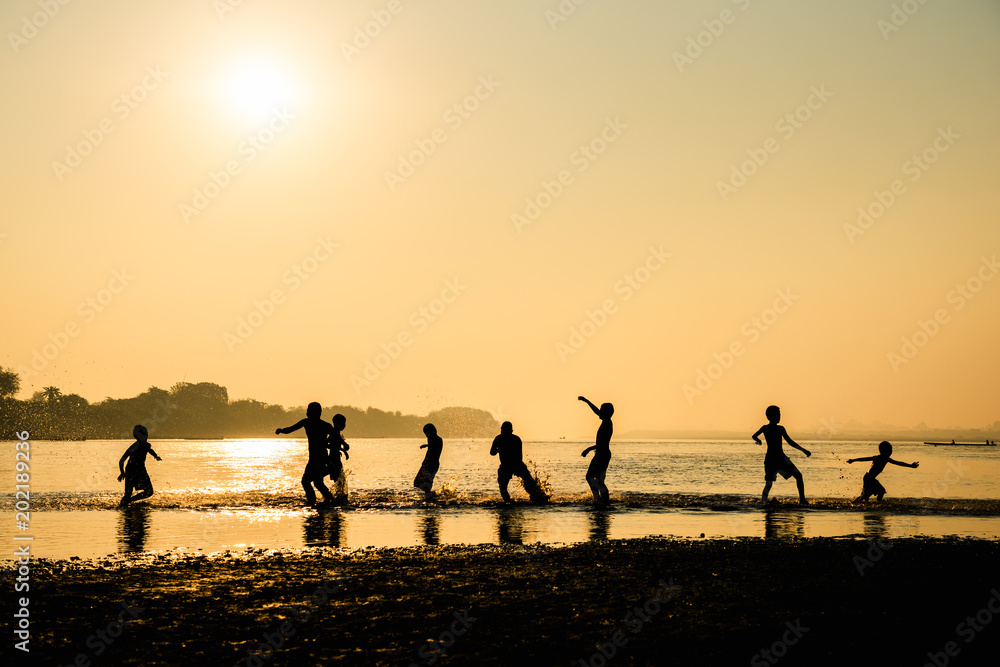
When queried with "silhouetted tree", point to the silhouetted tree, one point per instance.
{"points": [[10, 383]]}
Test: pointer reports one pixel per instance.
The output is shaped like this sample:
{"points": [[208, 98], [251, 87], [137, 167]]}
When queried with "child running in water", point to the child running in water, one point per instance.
{"points": [[337, 445], [871, 486], [319, 434], [775, 461], [509, 447], [602, 452], [432, 460], [135, 475]]}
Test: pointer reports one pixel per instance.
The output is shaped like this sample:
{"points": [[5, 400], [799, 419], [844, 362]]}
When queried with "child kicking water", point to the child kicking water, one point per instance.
{"points": [[871, 486], [432, 460], [337, 444], [135, 475], [775, 461]]}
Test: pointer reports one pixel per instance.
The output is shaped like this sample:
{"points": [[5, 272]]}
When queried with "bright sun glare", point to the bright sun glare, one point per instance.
{"points": [[258, 91]]}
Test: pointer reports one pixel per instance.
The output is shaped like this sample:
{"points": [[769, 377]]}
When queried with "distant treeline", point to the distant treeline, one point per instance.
{"points": [[203, 410]]}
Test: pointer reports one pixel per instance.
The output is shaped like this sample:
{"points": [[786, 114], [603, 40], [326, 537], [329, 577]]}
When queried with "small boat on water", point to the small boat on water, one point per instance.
{"points": [[988, 443]]}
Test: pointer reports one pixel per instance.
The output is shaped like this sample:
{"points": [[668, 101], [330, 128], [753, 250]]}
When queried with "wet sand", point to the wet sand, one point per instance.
{"points": [[804, 599]]}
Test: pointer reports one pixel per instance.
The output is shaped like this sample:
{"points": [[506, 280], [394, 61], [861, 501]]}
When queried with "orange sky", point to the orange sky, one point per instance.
{"points": [[654, 204]]}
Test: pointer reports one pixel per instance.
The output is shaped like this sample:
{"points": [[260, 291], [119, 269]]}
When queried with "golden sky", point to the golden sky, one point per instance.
{"points": [[508, 204]]}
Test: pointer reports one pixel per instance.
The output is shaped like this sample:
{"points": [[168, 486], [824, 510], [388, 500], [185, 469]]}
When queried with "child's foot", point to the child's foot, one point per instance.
{"points": [[803, 501]]}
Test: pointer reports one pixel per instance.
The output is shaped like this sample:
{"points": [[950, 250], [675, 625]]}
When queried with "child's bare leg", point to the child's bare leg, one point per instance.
{"points": [[327, 496], [604, 494], [767, 490], [594, 488], [142, 495], [503, 480], [802, 491]]}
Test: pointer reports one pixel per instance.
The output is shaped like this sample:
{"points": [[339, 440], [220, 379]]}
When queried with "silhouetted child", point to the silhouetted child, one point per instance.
{"points": [[775, 461], [432, 460], [135, 475], [319, 433], [871, 486], [337, 445], [602, 452], [508, 446]]}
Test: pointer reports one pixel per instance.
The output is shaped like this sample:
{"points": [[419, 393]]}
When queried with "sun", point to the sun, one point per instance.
{"points": [[258, 90]]}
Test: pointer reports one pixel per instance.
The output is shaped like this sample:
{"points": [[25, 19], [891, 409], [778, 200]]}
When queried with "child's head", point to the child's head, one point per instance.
{"points": [[607, 410], [429, 430], [340, 421], [506, 428], [140, 433], [885, 448], [773, 414], [314, 410]]}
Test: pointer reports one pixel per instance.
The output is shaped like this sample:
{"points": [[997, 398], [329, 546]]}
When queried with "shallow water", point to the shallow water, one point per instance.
{"points": [[215, 496]]}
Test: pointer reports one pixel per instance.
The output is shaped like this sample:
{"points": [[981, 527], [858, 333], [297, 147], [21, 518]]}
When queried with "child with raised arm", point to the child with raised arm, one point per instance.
{"points": [[871, 486], [775, 461], [432, 460], [602, 452], [337, 445], [319, 434], [135, 475]]}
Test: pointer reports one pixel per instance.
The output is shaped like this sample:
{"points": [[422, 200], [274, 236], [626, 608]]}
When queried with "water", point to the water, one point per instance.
{"points": [[217, 495]]}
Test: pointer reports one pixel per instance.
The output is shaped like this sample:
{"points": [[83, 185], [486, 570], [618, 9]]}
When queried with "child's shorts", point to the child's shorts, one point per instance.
{"points": [[784, 468], [872, 487]]}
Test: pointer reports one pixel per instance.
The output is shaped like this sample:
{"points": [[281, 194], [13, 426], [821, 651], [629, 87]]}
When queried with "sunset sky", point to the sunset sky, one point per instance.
{"points": [[259, 194]]}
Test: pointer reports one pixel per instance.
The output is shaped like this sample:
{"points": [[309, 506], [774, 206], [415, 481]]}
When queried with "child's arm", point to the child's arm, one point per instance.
{"points": [[592, 406], [794, 444], [905, 465], [863, 458], [584, 452], [754, 436], [121, 463], [154, 454], [290, 429]]}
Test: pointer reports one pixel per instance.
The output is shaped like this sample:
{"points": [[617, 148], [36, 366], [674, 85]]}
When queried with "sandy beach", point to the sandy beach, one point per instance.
{"points": [[647, 601]]}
